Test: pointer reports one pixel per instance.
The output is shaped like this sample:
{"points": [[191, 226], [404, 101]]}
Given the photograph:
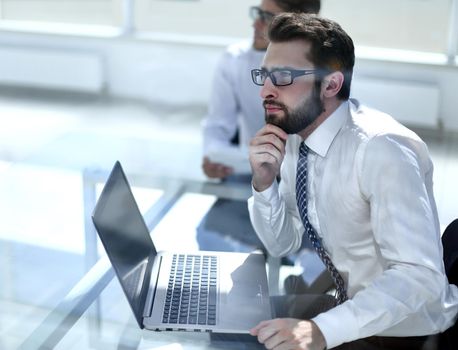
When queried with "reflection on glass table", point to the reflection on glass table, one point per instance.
{"points": [[41, 245], [116, 328], [94, 314], [90, 310]]}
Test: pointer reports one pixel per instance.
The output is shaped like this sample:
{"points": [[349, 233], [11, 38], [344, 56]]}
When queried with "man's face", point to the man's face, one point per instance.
{"points": [[260, 40], [292, 107]]}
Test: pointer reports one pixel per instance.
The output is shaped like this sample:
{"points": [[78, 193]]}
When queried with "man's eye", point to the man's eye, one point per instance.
{"points": [[283, 74]]}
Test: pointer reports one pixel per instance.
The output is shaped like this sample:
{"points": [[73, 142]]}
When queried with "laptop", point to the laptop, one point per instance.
{"points": [[224, 292]]}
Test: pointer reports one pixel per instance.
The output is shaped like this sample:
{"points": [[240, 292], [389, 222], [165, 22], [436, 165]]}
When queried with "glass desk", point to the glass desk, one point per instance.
{"points": [[79, 304], [95, 314]]}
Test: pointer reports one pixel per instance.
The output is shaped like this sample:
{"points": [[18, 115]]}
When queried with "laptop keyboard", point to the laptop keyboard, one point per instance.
{"points": [[191, 292]]}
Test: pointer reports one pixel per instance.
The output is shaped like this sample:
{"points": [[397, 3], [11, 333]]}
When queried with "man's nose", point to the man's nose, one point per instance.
{"points": [[268, 89]]}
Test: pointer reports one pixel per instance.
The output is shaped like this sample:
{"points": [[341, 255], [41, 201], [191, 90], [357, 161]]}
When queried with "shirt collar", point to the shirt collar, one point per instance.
{"points": [[320, 140]]}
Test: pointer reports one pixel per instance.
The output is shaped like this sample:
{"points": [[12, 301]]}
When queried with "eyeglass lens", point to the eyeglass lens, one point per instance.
{"points": [[278, 77], [257, 13]]}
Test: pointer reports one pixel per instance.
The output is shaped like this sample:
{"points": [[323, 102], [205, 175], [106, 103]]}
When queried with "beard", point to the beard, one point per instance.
{"points": [[299, 118]]}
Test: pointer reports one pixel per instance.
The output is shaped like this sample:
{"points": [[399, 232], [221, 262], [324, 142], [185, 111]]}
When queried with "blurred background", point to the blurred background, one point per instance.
{"points": [[86, 82]]}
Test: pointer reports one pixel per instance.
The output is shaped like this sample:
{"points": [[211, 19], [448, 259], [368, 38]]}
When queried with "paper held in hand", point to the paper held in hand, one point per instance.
{"points": [[234, 157]]}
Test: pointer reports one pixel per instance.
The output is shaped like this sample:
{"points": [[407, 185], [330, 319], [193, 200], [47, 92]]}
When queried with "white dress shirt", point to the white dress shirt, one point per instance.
{"points": [[370, 199], [234, 101]]}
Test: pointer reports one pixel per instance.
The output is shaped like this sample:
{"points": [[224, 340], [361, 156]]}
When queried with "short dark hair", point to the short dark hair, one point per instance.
{"points": [[331, 47], [297, 6]]}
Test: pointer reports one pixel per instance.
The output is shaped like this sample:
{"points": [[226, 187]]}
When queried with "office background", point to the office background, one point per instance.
{"points": [[84, 83]]}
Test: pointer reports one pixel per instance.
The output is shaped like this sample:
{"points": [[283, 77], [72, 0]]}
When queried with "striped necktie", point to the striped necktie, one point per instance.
{"points": [[301, 198]]}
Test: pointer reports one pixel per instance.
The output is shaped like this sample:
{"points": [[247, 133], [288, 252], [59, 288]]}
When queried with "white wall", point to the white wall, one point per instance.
{"points": [[137, 68], [181, 73], [167, 73], [445, 76]]}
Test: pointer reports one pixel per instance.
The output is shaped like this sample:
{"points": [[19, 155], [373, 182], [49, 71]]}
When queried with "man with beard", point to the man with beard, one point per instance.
{"points": [[234, 116], [358, 185], [234, 107]]}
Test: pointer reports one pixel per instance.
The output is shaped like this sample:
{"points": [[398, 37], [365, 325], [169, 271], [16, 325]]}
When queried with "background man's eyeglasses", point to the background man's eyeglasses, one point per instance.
{"points": [[279, 76], [264, 16]]}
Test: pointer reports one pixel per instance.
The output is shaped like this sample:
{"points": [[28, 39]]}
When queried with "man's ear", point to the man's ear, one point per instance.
{"points": [[332, 83]]}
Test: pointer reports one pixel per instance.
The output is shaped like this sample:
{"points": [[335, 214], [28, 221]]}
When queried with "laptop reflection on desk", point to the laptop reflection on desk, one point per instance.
{"points": [[224, 292]]}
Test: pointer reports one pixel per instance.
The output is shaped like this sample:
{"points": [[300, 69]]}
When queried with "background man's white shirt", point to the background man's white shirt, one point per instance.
{"points": [[235, 101]]}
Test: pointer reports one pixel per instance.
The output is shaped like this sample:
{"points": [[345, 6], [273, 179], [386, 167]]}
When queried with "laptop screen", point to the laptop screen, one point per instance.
{"points": [[126, 238]]}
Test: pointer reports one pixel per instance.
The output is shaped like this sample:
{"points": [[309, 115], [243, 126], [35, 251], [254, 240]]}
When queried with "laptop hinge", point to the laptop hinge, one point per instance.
{"points": [[151, 283]]}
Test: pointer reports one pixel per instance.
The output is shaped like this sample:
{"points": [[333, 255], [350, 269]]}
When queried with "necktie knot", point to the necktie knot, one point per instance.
{"points": [[303, 150]]}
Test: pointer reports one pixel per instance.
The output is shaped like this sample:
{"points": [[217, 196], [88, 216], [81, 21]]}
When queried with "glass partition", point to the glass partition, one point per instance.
{"points": [[418, 25], [94, 12], [415, 25]]}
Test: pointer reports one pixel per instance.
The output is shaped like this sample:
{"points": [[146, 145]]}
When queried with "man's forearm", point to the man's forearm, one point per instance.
{"points": [[273, 225]]}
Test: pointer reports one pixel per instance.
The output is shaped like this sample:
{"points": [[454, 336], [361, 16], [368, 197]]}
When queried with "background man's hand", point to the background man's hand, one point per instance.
{"points": [[267, 150], [215, 170], [289, 333]]}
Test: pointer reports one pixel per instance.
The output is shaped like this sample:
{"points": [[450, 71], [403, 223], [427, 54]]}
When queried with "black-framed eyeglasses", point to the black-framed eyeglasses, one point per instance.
{"points": [[279, 76], [258, 13]]}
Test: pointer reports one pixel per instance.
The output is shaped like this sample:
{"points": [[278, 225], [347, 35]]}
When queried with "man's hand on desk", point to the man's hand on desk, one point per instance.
{"points": [[215, 170], [289, 334]]}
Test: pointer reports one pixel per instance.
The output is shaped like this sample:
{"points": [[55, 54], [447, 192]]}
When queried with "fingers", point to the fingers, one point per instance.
{"points": [[266, 154], [255, 330], [267, 150], [270, 333], [270, 139], [215, 170], [289, 333], [269, 144], [275, 130]]}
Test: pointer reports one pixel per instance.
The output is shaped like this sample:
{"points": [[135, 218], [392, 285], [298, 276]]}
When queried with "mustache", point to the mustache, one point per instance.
{"points": [[273, 103]]}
